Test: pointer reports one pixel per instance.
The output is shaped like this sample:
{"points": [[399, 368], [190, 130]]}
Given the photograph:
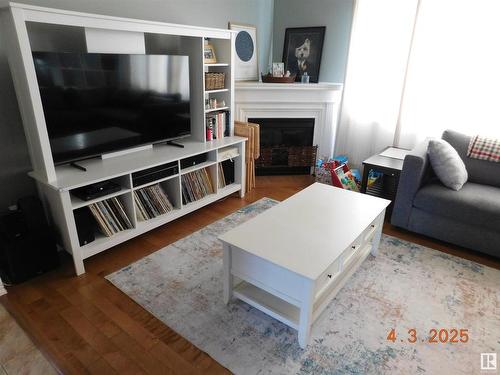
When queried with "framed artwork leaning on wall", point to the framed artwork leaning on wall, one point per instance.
{"points": [[246, 63], [302, 51]]}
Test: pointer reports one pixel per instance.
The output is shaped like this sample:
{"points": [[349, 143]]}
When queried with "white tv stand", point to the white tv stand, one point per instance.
{"points": [[31, 28], [119, 169]]}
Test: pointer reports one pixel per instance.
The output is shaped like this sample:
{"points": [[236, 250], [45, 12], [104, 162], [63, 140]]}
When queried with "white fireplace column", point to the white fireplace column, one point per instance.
{"points": [[320, 101]]}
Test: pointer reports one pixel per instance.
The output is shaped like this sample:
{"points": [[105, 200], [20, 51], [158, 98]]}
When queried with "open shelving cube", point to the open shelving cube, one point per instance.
{"points": [[115, 212], [198, 184], [157, 199]]}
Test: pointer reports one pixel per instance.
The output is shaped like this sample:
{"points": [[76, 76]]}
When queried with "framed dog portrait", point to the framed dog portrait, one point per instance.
{"points": [[302, 51]]}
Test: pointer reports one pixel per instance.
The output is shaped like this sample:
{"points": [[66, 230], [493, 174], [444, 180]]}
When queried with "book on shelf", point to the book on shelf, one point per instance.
{"points": [[151, 202], [225, 171], [217, 125], [196, 185], [110, 216]]}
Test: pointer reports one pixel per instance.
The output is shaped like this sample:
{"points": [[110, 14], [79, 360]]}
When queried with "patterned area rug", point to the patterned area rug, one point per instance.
{"points": [[406, 286]]}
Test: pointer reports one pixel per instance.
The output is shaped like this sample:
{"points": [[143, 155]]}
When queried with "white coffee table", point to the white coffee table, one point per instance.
{"points": [[291, 260]]}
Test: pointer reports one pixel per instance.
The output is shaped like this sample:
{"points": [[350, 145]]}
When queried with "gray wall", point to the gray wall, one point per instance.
{"points": [[215, 13], [336, 15]]}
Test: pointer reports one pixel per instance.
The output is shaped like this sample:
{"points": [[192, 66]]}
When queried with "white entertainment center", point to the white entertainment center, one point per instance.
{"points": [[31, 28]]}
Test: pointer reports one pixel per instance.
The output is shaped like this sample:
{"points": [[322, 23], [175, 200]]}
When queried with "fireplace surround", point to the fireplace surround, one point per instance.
{"points": [[319, 102]]}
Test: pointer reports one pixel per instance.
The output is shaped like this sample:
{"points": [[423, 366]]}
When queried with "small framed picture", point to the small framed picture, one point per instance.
{"points": [[209, 54], [278, 69]]}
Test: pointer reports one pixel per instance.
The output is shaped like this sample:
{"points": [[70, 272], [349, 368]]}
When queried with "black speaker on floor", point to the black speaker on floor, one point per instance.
{"points": [[27, 243]]}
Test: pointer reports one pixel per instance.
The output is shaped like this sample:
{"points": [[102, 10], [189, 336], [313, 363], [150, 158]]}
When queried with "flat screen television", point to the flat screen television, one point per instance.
{"points": [[97, 103]]}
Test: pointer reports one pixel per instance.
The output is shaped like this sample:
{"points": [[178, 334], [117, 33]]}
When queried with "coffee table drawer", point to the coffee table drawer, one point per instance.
{"points": [[364, 239], [370, 232], [327, 277], [348, 255]]}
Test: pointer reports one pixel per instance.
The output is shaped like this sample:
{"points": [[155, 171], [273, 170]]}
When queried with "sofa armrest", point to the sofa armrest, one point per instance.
{"points": [[414, 173]]}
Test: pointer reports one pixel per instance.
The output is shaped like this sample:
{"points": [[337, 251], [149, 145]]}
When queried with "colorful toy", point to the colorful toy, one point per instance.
{"points": [[373, 176], [336, 172]]}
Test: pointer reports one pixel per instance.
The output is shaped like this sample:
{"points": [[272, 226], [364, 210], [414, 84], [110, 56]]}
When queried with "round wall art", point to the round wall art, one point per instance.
{"points": [[245, 45]]}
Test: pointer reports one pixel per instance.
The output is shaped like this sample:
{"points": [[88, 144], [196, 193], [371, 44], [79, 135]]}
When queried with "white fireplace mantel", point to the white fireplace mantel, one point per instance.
{"points": [[320, 101]]}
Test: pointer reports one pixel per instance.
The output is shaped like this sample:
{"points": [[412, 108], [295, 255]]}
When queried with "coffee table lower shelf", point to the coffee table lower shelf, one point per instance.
{"points": [[266, 302], [289, 313]]}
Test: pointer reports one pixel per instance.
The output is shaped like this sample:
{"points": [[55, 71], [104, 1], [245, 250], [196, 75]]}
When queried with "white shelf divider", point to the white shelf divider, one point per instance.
{"points": [[216, 109], [217, 65], [155, 182], [78, 203], [205, 164], [216, 91]]}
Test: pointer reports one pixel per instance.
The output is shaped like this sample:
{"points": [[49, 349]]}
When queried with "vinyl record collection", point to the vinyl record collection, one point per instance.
{"points": [[151, 202], [196, 185], [110, 216]]}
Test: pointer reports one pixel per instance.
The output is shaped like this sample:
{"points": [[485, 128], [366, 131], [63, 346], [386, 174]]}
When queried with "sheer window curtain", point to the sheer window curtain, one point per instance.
{"points": [[378, 55], [453, 78], [416, 68]]}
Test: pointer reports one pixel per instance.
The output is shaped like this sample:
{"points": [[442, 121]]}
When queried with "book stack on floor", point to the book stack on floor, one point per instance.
{"points": [[110, 216], [225, 170], [196, 185], [217, 124], [151, 202]]}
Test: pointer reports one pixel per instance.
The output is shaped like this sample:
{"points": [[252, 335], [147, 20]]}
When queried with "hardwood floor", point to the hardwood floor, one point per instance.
{"points": [[86, 325]]}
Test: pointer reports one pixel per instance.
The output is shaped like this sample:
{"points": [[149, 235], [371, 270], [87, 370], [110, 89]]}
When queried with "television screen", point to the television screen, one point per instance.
{"points": [[98, 103]]}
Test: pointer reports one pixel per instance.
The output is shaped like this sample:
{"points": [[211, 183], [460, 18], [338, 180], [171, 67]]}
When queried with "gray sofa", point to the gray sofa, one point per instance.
{"points": [[469, 217]]}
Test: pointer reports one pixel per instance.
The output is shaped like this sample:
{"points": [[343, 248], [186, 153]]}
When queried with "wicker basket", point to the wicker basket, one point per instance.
{"points": [[268, 78], [214, 81]]}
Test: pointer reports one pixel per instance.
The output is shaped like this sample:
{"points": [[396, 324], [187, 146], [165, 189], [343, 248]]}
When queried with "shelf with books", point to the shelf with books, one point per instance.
{"points": [[217, 125]]}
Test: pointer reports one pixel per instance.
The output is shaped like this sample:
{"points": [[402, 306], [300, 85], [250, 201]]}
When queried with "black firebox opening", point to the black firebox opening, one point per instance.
{"points": [[286, 146]]}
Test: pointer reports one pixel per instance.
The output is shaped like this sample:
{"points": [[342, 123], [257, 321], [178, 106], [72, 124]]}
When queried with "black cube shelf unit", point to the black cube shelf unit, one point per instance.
{"points": [[385, 186]]}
